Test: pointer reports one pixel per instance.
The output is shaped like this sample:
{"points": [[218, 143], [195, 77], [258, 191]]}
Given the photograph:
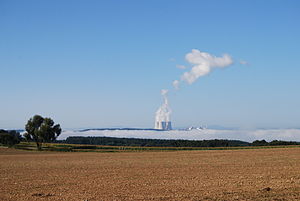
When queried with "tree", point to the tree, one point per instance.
{"points": [[260, 143], [10, 138], [39, 130]]}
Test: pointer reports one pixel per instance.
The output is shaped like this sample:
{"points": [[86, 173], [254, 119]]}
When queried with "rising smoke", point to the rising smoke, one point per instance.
{"points": [[202, 64], [163, 113]]}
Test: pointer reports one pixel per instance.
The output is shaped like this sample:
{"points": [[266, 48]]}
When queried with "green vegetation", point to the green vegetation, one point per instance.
{"points": [[110, 144], [135, 142], [112, 141], [40, 130], [61, 147], [273, 143], [9, 138]]}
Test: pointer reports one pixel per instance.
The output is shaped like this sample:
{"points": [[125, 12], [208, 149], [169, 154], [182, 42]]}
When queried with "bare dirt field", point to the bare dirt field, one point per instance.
{"points": [[256, 174]]}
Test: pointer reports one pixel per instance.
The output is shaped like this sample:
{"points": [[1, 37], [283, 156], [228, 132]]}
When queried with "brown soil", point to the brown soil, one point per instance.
{"points": [[258, 174]]}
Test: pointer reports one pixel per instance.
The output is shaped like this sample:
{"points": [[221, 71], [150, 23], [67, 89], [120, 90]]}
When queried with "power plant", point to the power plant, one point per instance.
{"points": [[162, 115], [162, 125]]}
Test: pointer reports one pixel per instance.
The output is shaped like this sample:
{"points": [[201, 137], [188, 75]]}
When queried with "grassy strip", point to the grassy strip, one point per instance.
{"points": [[99, 148]]}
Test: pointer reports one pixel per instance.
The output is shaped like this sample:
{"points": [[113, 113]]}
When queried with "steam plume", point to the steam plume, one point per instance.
{"points": [[164, 111], [176, 84], [202, 64]]}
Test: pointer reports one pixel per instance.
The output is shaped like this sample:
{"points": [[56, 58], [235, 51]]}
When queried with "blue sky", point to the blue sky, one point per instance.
{"points": [[103, 63]]}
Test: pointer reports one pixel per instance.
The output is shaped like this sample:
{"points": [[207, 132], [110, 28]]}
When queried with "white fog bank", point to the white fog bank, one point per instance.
{"points": [[205, 134]]}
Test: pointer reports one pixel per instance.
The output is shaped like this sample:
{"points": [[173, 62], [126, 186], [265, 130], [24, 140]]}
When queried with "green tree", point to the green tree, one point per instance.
{"points": [[39, 130], [260, 143], [9, 138]]}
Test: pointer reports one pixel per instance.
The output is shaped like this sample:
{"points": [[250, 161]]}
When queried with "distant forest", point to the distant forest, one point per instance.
{"points": [[112, 141]]}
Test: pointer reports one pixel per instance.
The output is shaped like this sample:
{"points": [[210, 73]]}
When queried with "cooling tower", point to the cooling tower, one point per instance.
{"points": [[163, 125], [162, 115]]}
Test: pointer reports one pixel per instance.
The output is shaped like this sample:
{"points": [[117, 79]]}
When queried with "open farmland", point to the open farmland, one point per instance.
{"points": [[251, 174]]}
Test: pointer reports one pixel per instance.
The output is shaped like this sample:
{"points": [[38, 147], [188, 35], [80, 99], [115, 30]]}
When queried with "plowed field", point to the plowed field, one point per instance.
{"points": [[256, 174]]}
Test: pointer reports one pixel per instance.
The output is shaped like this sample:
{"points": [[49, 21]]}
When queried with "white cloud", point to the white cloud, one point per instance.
{"points": [[181, 66], [203, 63], [243, 62]]}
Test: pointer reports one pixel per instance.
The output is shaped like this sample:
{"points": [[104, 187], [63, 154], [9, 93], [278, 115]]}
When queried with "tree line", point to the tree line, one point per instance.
{"points": [[10, 138], [113, 141]]}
